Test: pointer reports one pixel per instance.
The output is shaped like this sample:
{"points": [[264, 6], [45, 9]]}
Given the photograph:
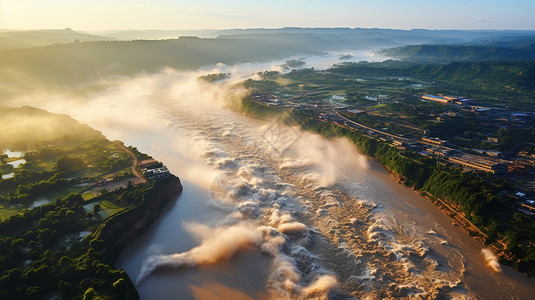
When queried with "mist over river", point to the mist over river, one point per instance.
{"points": [[272, 212]]}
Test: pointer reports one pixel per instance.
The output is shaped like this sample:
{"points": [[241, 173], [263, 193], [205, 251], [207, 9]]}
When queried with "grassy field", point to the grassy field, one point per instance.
{"points": [[7, 211], [100, 158], [111, 208]]}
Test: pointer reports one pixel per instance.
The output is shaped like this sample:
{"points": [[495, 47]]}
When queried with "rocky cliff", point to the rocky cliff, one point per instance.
{"points": [[121, 229]]}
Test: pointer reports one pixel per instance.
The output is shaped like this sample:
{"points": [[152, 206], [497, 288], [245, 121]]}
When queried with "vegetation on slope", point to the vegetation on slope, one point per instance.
{"points": [[54, 237], [450, 53]]}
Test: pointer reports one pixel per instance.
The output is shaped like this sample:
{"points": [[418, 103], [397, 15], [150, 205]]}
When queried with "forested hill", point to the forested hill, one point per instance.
{"points": [[507, 80], [69, 64], [26, 127], [449, 53], [85, 64]]}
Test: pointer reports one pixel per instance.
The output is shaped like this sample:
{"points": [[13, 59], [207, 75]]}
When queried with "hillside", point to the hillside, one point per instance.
{"points": [[23, 128], [10, 40], [59, 65], [520, 50], [83, 66]]}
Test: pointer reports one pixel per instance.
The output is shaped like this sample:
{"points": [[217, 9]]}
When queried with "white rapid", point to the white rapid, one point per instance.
{"points": [[309, 209], [272, 212]]}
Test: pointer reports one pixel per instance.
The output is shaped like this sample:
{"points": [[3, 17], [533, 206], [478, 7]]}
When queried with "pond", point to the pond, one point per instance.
{"points": [[13, 153], [69, 239], [39, 202], [17, 163], [83, 184], [6, 176]]}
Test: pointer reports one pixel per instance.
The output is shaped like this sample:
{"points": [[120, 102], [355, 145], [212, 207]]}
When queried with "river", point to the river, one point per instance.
{"points": [[272, 212]]}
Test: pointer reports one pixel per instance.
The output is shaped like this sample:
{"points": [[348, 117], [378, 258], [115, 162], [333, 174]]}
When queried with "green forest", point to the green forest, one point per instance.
{"points": [[449, 53], [61, 225]]}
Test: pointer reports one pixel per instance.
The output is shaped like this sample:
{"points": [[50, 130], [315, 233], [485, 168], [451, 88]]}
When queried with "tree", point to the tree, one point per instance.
{"points": [[90, 294], [69, 164]]}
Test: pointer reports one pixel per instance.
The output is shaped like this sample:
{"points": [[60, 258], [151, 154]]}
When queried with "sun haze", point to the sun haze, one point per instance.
{"points": [[212, 14]]}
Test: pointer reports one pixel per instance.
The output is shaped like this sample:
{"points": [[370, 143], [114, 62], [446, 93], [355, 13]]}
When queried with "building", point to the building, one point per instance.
{"points": [[440, 152], [479, 163], [463, 101], [400, 144], [493, 153], [434, 141], [528, 205], [157, 173], [354, 112], [436, 98], [149, 164], [153, 169], [521, 166], [426, 154], [452, 98]]}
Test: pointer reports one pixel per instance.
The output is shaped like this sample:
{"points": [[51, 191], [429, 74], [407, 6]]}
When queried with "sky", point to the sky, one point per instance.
{"points": [[224, 14]]}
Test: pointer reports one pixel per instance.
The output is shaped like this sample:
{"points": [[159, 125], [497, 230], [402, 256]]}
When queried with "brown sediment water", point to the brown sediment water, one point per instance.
{"points": [[305, 216], [352, 221]]}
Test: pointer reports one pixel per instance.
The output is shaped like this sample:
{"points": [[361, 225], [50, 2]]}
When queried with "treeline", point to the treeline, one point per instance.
{"points": [[27, 192], [480, 197], [215, 77], [259, 110], [139, 155]]}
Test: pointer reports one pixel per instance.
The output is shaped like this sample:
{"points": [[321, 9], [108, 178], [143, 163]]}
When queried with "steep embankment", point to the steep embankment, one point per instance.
{"points": [[479, 206], [122, 228]]}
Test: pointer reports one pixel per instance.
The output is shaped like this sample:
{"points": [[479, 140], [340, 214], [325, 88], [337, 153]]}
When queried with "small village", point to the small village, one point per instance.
{"points": [[517, 166]]}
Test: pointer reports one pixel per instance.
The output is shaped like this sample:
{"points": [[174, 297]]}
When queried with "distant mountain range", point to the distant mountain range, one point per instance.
{"points": [[11, 40], [16, 39], [60, 58]]}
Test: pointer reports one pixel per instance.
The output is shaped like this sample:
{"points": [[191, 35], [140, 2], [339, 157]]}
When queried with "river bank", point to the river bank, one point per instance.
{"points": [[406, 171], [378, 237], [124, 227]]}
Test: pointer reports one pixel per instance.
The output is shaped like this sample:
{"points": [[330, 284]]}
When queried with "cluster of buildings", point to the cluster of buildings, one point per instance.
{"points": [[153, 169], [470, 159], [268, 99], [525, 204], [488, 163], [465, 103], [480, 163], [447, 99]]}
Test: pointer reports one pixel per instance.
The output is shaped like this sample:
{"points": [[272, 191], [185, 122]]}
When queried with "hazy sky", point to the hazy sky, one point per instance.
{"points": [[207, 14]]}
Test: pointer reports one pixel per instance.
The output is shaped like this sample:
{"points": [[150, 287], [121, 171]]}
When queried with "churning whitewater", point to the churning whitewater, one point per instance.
{"points": [[297, 199], [272, 212]]}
